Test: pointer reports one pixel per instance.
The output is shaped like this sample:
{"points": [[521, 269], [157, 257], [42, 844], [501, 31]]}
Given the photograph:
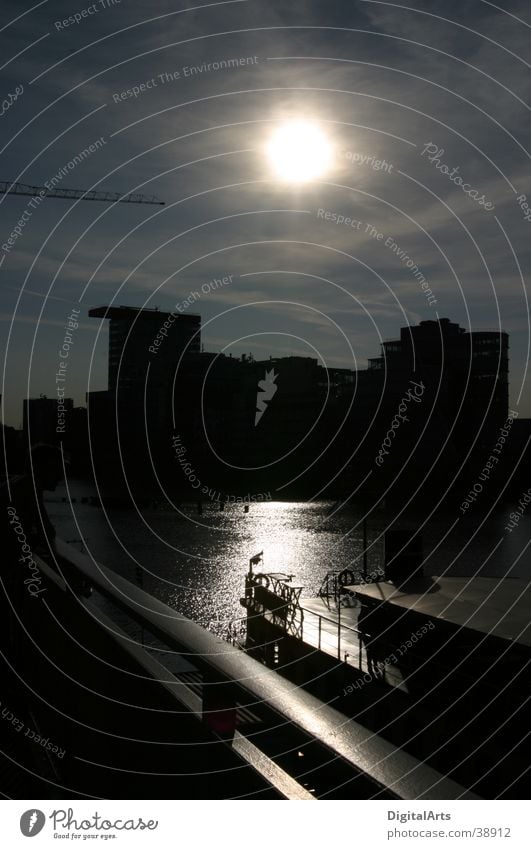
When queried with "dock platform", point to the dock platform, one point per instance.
{"points": [[335, 631]]}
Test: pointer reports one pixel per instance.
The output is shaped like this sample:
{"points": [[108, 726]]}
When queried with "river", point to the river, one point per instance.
{"points": [[196, 563]]}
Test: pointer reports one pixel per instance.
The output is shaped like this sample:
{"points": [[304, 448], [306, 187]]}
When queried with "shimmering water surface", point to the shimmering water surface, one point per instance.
{"points": [[196, 563]]}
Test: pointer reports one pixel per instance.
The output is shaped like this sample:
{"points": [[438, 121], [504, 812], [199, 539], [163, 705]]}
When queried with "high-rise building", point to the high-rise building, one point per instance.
{"points": [[142, 337], [471, 368], [147, 350], [460, 402]]}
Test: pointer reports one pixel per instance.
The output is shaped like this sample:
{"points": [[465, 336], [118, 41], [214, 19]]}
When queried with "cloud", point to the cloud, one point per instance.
{"points": [[383, 80]]}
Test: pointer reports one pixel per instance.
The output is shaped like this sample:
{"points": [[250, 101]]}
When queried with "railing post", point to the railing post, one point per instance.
{"points": [[319, 644], [365, 548], [339, 625]]}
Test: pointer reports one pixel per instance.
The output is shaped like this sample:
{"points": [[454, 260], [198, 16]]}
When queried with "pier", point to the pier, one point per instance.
{"points": [[433, 665], [180, 714]]}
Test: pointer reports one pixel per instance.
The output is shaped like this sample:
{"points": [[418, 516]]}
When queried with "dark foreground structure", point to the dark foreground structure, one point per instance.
{"points": [[436, 666], [91, 709]]}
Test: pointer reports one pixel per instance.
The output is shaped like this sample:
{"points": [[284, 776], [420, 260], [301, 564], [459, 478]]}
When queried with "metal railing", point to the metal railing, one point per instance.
{"points": [[339, 628], [274, 698], [272, 596]]}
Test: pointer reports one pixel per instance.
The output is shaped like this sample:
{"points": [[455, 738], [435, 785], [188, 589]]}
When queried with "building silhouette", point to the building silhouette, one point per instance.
{"points": [[43, 420], [319, 430], [462, 380], [130, 424], [54, 421], [139, 338], [470, 369]]}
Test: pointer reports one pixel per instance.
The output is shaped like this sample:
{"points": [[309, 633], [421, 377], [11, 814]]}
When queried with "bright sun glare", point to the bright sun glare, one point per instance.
{"points": [[299, 152]]}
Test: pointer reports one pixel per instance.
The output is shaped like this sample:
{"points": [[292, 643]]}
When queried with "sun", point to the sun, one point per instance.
{"points": [[299, 151]]}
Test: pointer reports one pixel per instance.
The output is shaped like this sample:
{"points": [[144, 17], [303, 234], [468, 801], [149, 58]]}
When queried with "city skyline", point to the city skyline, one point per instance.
{"points": [[162, 326], [436, 389], [61, 379]]}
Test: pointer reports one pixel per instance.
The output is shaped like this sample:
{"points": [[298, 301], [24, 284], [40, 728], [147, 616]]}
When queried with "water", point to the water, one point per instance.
{"points": [[196, 563]]}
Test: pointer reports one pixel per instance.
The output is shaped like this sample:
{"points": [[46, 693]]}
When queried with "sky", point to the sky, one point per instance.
{"points": [[412, 97]]}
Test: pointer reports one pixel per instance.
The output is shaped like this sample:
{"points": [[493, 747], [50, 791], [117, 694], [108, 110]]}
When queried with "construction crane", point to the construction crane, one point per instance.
{"points": [[8, 188]]}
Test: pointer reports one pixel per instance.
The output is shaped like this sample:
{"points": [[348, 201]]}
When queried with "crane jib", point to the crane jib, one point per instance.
{"points": [[13, 188]]}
